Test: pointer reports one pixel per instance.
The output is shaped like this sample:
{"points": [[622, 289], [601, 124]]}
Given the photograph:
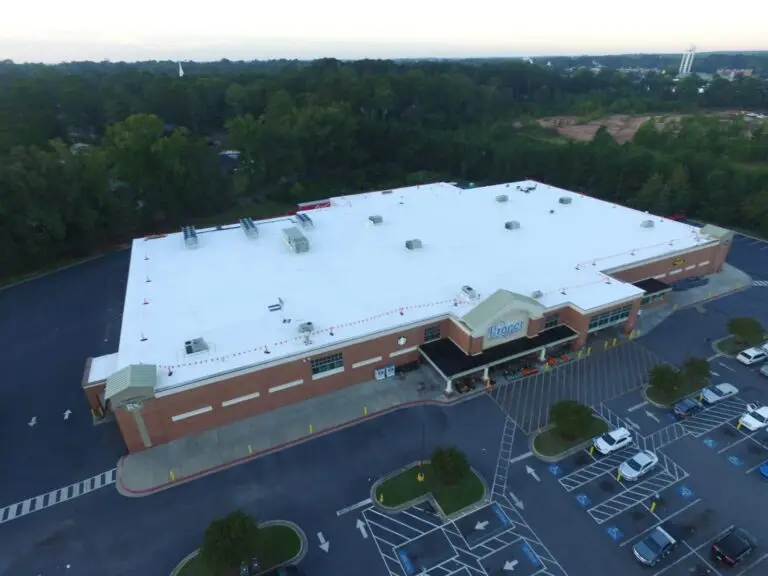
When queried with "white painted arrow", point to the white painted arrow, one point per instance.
{"points": [[517, 502], [634, 424], [67, 414], [652, 416], [510, 565], [482, 525], [361, 526], [32, 422], [637, 406], [324, 544], [532, 473], [714, 373]]}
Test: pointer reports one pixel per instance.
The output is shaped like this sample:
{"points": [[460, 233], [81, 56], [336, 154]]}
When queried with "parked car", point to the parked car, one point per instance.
{"points": [[719, 392], [764, 370], [688, 283], [733, 546], [751, 356], [639, 465], [763, 470], [654, 547], [613, 441], [756, 417], [686, 408]]}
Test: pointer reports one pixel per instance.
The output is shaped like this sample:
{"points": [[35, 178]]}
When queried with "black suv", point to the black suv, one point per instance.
{"points": [[733, 546]]}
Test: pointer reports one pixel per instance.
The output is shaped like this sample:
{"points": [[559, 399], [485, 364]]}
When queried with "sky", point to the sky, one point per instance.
{"points": [[55, 31]]}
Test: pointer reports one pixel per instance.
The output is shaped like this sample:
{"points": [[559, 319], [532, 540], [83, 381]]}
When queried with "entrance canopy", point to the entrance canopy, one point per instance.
{"points": [[452, 362], [133, 384], [652, 286]]}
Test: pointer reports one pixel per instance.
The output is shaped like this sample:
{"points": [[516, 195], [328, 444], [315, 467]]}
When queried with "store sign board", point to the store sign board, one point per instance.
{"points": [[510, 326]]}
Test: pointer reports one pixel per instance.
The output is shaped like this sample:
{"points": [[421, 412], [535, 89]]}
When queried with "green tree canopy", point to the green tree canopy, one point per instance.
{"points": [[665, 378], [747, 330], [570, 418], [229, 541], [450, 465]]}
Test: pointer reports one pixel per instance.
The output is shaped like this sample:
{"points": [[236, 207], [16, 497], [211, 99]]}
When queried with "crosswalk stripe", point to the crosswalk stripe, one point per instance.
{"points": [[36, 503]]}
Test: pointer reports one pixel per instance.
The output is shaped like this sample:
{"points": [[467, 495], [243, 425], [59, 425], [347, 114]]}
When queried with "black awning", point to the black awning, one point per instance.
{"points": [[452, 361], [652, 286]]}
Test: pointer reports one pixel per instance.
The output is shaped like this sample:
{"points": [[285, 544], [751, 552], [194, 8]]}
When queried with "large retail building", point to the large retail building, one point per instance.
{"points": [[225, 323]]}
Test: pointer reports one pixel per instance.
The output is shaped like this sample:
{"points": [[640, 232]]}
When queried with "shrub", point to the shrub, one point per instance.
{"points": [[747, 330], [664, 378], [449, 465], [228, 541], [571, 419]]}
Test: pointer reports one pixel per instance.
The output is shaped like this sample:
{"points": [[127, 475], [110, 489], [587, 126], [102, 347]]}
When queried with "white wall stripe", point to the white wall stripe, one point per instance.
{"points": [[285, 386], [705, 263], [192, 413], [403, 351], [327, 373], [366, 362], [37, 503], [240, 399]]}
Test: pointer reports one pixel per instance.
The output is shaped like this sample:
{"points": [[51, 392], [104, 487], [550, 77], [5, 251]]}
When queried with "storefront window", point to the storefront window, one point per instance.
{"points": [[327, 363], [610, 317]]}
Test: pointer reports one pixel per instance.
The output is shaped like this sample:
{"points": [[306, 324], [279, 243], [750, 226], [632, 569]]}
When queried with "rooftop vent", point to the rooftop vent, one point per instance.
{"points": [[512, 225], [647, 224], [195, 346], [376, 219], [386, 191], [469, 292], [502, 198], [413, 244], [276, 307], [249, 227], [296, 241], [537, 294], [190, 236], [305, 221], [306, 327], [565, 200]]}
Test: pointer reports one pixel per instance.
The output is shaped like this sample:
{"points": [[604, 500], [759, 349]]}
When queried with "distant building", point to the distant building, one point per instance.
{"points": [[733, 73]]}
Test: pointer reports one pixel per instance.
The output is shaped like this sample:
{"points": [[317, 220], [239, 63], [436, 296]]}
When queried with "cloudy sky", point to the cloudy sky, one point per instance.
{"points": [[55, 31]]}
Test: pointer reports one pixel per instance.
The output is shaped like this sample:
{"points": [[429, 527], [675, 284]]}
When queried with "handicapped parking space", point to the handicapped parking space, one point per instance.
{"points": [[425, 552], [598, 490], [696, 526], [482, 524], [518, 559], [630, 524], [723, 436], [572, 463], [748, 452], [691, 565]]}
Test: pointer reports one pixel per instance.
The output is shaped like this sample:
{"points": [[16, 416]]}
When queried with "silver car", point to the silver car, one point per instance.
{"points": [[639, 465], [718, 392]]}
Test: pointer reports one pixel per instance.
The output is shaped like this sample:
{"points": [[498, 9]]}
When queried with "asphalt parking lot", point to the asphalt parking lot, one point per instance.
{"points": [[751, 255], [598, 377], [50, 326]]}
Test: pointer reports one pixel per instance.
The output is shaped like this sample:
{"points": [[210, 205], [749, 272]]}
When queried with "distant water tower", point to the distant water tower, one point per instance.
{"points": [[686, 62]]}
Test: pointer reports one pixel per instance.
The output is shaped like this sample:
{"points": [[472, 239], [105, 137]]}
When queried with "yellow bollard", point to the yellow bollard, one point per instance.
{"points": [[589, 351], [420, 477], [365, 410], [591, 450], [653, 506], [579, 355], [172, 475], [638, 334], [710, 294], [615, 341], [381, 498], [545, 367], [632, 335], [738, 284], [739, 425], [674, 307], [250, 450], [618, 477], [310, 428], [606, 345]]}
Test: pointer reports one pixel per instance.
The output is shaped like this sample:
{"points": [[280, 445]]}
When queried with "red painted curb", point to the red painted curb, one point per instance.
{"points": [[335, 427]]}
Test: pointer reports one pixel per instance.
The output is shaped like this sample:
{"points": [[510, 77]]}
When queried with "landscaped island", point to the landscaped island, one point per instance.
{"points": [[571, 424], [447, 477]]}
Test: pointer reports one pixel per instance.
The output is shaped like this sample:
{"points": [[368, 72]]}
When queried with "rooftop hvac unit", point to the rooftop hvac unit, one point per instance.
{"points": [[296, 241], [386, 191], [512, 225], [305, 221], [190, 236], [537, 294], [647, 224], [413, 244], [502, 198], [565, 200], [195, 345], [249, 227], [469, 292], [306, 327], [375, 219]]}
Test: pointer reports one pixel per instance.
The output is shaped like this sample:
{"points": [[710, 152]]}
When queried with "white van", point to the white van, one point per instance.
{"points": [[751, 356]]}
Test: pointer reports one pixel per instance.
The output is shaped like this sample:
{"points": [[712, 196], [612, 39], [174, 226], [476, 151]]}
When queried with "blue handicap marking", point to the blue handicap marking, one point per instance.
{"points": [[735, 460], [502, 517], [614, 533], [685, 492], [709, 442], [406, 562], [531, 555], [671, 416], [583, 499], [555, 469]]}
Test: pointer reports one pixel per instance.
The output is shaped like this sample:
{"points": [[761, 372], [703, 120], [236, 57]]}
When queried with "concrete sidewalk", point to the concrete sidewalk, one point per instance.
{"points": [[189, 458]]}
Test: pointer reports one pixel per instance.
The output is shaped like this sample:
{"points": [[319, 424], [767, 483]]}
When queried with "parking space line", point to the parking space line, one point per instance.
{"points": [[689, 554], [696, 553], [626, 499], [744, 438], [371, 522], [755, 563], [660, 522], [546, 390]]}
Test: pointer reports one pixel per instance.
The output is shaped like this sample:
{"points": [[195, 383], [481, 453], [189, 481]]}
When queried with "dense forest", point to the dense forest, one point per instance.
{"points": [[94, 155]]}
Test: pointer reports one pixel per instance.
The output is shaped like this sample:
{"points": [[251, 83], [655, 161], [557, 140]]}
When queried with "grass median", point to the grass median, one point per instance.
{"points": [[551, 443], [277, 545], [731, 346], [405, 487], [671, 397]]}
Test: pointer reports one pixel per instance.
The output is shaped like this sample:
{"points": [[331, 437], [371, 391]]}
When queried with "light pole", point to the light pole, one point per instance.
{"points": [[420, 475]]}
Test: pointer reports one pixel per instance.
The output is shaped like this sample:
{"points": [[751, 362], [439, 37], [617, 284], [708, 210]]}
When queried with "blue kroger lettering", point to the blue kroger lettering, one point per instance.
{"points": [[504, 330]]}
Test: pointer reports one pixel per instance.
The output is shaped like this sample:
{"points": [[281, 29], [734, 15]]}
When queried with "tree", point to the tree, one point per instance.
{"points": [[571, 419], [664, 378], [696, 371], [229, 541], [746, 330], [449, 465]]}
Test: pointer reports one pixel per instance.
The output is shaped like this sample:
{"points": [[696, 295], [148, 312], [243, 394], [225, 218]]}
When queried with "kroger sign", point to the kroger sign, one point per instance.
{"points": [[504, 329]]}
